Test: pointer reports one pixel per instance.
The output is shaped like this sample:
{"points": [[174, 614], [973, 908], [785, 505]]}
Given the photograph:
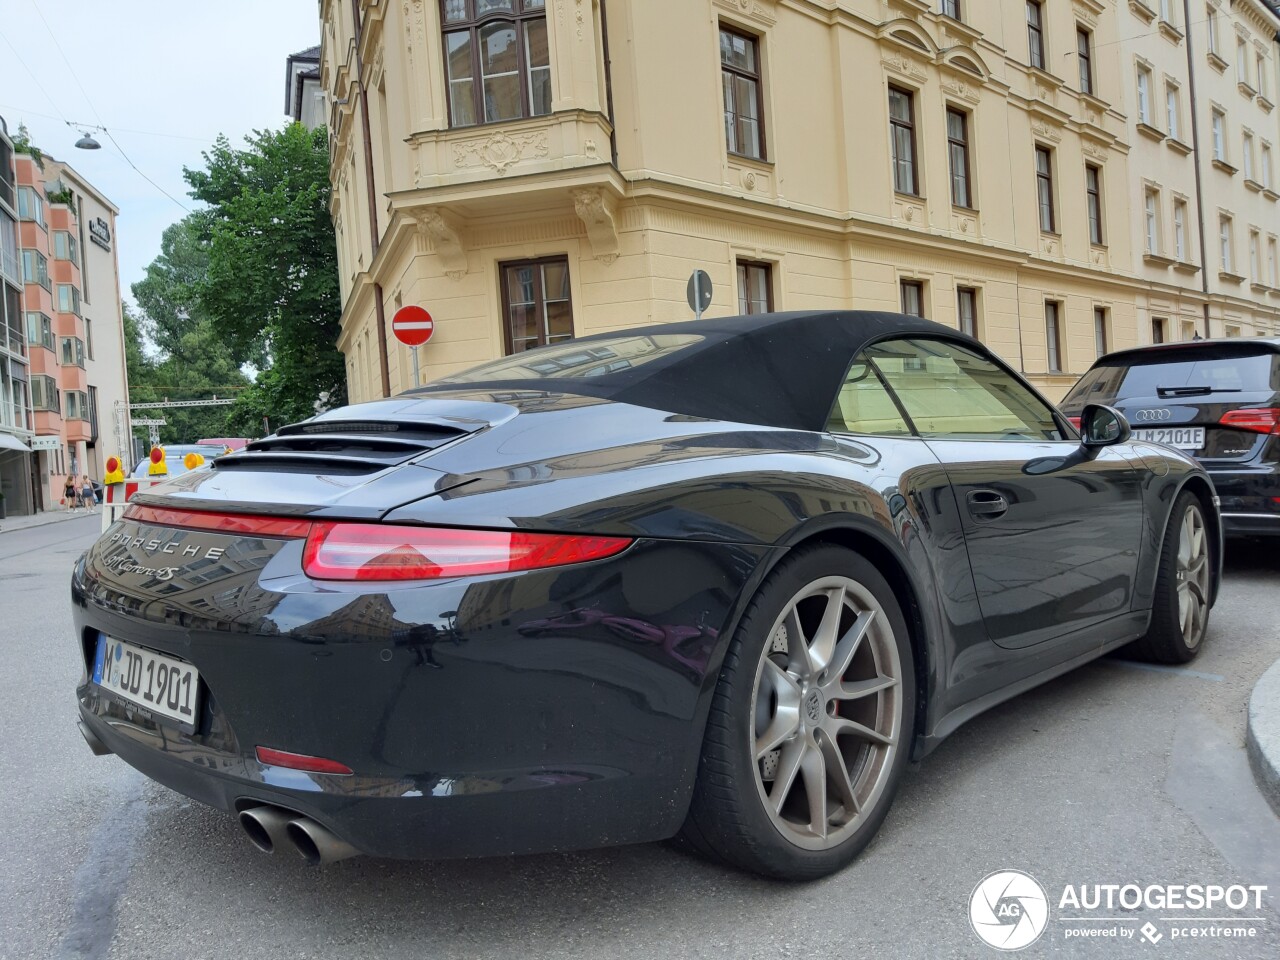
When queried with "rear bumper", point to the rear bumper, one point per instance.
{"points": [[1249, 500], [554, 710]]}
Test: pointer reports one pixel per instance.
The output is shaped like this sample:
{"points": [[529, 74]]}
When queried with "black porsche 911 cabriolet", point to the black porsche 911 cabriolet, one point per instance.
{"points": [[720, 579]]}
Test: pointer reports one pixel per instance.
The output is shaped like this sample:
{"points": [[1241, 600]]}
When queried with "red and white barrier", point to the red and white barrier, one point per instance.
{"points": [[116, 497]]}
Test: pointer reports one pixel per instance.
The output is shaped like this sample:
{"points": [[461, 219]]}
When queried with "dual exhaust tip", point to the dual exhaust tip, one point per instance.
{"points": [[272, 828]]}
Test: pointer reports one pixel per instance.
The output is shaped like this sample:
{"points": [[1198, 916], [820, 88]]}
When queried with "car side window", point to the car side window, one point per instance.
{"points": [[864, 406], [949, 391]]}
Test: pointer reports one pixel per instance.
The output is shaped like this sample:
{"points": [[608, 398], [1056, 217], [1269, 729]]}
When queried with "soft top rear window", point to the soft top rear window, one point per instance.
{"points": [[578, 360], [1213, 368]]}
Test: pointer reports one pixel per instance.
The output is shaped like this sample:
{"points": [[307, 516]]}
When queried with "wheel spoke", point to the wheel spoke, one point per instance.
{"points": [[838, 725], [838, 773], [786, 715], [857, 689], [797, 645], [813, 772], [788, 766], [849, 645], [823, 647]]}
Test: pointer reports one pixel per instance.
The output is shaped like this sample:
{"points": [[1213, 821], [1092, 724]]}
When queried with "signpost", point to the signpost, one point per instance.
{"points": [[699, 292], [413, 327]]}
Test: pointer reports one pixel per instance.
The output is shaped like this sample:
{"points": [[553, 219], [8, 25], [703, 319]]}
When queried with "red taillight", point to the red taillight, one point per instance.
{"points": [[1258, 420], [1075, 422], [370, 551], [300, 761]]}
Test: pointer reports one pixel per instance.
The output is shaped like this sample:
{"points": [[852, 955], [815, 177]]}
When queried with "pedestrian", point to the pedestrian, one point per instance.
{"points": [[69, 493], [86, 493]]}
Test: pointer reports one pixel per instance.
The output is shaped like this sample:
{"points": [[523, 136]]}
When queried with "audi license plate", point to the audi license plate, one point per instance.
{"points": [[160, 685], [1184, 438]]}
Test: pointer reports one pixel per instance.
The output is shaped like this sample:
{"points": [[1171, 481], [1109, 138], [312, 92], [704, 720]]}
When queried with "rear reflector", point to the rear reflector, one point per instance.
{"points": [[300, 761], [369, 551], [1258, 420]]}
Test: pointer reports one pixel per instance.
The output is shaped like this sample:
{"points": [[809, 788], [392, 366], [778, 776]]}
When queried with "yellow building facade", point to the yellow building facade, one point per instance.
{"points": [[530, 170]]}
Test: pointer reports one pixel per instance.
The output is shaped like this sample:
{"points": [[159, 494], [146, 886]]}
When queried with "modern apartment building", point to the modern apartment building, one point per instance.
{"points": [[70, 348], [532, 172], [16, 426]]}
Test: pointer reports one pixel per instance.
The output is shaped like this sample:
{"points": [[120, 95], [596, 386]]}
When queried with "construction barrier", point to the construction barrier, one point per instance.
{"points": [[115, 497]]}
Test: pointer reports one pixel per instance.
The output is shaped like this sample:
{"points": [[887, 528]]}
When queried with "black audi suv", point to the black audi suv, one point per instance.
{"points": [[1218, 400]]}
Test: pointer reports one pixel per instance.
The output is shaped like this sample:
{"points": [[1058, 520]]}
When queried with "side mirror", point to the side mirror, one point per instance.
{"points": [[1102, 426]]}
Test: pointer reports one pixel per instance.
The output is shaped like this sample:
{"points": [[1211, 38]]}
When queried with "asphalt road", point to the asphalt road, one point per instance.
{"points": [[1115, 773]]}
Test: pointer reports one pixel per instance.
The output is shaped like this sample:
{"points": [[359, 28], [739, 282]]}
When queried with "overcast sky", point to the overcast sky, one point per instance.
{"points": [[164, 76]]}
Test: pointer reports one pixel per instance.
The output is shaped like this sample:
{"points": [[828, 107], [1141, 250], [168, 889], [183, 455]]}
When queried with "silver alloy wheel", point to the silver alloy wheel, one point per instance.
{"points": [[1193, 577], [827, 711]]}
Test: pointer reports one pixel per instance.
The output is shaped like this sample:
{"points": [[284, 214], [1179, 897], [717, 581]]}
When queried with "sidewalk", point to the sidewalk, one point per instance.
{"points": [[41, 519], [1262, 739]]}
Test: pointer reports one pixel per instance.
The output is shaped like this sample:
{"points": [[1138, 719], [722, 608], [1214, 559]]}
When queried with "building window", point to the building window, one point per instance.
{"points": [[1266, 165], [1180, 230], [1144, 95], [1044, 188], [1166, 12], [1242, 61], [1219, 136], [1272, 265], [1053, 335], [1035, 34], [44, 394], [912, 298], [951, 8], [1255, 256], [1084, 57], [88, 337], [72, 352], [35, 268], [496, 60], [1246, 157], [902, 136], [1157, 329], [755, 287], [967, 310], [743, 106], [39, 330], [1211, 20], [1262, 75], [64, 247], [537, 305], [77, 405], [30, 205], [68, 299], [1173, 110], [1225, 244], [1093, 190], [1100, 330], [1151, 221], [958, 148]]}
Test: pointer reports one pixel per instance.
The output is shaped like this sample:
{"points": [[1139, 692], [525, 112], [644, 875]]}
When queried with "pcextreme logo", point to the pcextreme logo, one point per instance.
{"points": [[1009, 910]]}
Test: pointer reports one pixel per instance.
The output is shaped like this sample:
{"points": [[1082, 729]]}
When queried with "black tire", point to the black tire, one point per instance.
{"points": [[1166, 640], [728, 820]]}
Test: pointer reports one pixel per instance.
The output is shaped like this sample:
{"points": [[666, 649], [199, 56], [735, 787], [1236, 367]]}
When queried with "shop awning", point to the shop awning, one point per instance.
{"points": [[9, 442]]}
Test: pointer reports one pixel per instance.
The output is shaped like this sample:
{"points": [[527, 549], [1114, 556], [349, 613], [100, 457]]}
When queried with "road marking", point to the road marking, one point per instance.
{"points": [[1158, 668]]}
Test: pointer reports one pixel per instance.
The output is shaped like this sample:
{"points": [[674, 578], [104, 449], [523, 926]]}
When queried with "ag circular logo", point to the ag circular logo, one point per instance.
{"points": [[1009, 910]]}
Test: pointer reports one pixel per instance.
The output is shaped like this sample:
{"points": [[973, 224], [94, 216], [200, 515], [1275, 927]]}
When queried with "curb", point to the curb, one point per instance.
{"points": [[15, 524], [1262, 736]]}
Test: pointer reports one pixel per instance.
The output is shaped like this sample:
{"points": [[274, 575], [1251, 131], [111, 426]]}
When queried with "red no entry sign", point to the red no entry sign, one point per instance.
{"points": [[412, 326]]}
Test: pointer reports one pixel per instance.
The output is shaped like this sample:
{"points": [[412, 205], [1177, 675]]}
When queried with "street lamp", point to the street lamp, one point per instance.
{"points": [[86, 141]]}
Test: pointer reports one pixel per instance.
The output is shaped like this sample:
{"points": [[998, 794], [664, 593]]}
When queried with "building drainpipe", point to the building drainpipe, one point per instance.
{"points": [[1195, 146], [371, 191], [608, 82]]}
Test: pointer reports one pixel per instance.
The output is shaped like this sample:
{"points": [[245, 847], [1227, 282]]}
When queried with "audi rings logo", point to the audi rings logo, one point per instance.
{"points": [[1009, 910], [1152, 416]]}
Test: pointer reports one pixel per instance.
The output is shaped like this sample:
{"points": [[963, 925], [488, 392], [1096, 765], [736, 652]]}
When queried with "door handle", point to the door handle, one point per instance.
{"points": [[986, 504]]}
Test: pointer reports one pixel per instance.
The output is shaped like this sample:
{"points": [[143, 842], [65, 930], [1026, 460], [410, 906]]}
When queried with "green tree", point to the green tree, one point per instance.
{"points": [[193, 362], [271, 287]]}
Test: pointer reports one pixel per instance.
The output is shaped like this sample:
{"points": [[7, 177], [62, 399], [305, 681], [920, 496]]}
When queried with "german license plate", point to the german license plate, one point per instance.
{"points": [[1184, 438], [158, 684]]}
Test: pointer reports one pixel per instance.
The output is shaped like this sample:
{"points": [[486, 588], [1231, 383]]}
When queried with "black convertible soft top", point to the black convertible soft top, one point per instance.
{"points": [[775, 370]]}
